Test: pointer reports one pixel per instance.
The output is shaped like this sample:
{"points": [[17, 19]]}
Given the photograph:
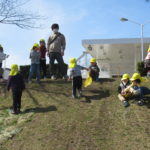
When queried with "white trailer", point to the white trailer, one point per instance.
{"points": [[116, 56]]}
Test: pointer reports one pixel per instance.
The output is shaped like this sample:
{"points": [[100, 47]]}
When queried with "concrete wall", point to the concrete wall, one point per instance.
{"points": [[116, 59]]}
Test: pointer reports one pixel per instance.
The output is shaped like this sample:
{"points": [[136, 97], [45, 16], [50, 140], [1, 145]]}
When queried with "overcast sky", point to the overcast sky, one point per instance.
{"points": [[78, 20]]}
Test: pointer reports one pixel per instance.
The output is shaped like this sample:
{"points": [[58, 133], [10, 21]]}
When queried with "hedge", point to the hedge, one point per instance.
{"points": [[24, 70], [141, 69]]}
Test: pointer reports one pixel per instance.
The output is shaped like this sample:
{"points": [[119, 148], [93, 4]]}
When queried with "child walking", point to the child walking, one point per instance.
{"points": [[43, 57], [94, 69], [74, 73], [35, 63], [16, 84]]}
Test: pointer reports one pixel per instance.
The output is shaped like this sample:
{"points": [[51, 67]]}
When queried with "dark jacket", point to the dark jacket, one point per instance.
{"points": [[16, 82], [94, 71], [123, 86], [43, 51]]}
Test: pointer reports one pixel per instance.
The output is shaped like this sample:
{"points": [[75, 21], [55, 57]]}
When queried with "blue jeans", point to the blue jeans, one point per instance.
{"points": [[144, 91], [34, 69]]}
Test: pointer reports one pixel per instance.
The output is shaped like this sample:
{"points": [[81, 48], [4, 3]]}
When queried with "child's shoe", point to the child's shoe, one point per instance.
{"points": [[74, 96], [79, 93], [14, 112], [125, 103], [53, 78], [140, 102]]}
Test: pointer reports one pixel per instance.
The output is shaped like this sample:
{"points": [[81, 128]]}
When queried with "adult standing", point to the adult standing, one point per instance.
{"points": [[56, 45]]}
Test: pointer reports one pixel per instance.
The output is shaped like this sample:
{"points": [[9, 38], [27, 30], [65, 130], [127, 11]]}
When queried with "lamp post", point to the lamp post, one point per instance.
{"points": [[142, 27]]}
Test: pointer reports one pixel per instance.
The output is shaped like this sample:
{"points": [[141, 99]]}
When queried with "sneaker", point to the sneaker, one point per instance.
{"points": [[125, 103], [45, 77], [80, 94], [65, 77], [74, 96], [140, 102], [53, 77], [14, 112]]}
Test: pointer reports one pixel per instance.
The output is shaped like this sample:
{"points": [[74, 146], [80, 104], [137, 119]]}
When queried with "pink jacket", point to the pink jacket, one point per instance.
{"points": [[148, 56]]}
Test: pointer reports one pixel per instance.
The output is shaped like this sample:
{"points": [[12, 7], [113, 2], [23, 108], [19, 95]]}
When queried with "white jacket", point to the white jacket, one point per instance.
{"points": [[2, 56]]}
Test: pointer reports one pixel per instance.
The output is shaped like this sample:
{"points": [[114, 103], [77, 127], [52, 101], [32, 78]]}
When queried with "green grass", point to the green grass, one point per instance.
{"points": [[62, 123]]}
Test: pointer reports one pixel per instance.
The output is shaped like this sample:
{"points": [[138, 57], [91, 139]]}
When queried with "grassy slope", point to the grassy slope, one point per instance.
{"points": [[61, 123]]}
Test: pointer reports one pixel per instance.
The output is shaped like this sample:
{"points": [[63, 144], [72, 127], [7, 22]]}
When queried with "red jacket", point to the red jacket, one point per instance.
{"points": [[43, 51]]}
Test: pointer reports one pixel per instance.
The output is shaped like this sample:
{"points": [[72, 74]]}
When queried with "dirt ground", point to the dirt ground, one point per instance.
{"points": [[97, 121]]}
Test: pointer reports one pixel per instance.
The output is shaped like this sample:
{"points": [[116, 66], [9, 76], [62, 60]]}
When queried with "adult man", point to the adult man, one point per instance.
{"points": [[56, 45]]}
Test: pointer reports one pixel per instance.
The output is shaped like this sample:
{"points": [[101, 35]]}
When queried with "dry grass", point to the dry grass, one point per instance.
{"points": [[97, 121]]}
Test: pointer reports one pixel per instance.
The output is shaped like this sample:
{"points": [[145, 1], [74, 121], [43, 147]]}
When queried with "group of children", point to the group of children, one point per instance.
{"points": [[132, 88], [74, 73], [38, 60], [17, 85], [127, 89]]}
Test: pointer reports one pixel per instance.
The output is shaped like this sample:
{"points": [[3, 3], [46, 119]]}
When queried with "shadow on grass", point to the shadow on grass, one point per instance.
{"points": [[41, 109], [98, 95], [106, 80], [147, 101], [32, 97], [59, 81]]}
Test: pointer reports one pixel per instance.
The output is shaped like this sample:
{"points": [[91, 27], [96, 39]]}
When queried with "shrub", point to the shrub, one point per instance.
{"points": [[141, 69]]}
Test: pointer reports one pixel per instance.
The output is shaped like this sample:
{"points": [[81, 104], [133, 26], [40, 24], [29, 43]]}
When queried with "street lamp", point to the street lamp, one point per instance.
{"points": [[141, 26]]}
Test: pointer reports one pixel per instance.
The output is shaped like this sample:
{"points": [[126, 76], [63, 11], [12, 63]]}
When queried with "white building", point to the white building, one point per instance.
{"points": [[116, 56]]}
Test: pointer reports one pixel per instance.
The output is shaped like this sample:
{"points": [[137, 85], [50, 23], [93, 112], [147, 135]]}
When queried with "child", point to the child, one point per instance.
{"points": [[147, 62], [94, 69], [136, 82], [125, 82], [16, 84], [2, 56], [43, 58], [35, 62], [75, 74]]}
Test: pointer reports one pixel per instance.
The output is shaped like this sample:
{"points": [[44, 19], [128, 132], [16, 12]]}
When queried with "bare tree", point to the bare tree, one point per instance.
{"points": [[11, 13]]}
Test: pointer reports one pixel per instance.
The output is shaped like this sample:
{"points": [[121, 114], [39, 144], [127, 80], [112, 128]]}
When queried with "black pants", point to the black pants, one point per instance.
{"points": [[43, 66], [0, 65], [16, 99], [76, 84], [56, 56]]}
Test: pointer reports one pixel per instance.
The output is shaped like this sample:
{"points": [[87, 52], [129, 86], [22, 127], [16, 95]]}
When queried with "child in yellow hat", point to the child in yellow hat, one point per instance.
{"points": [[74, 73], [94, 69], [125, 82], [141, 90], [16, 84], [35, 62]]}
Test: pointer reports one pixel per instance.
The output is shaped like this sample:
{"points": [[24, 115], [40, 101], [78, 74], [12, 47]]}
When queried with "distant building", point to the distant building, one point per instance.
{"points": [[116, 56]]}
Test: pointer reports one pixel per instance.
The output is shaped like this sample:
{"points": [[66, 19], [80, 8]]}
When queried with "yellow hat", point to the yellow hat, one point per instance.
{"points": [[136, 76], [73, 63], [14, 70], [148, 49], [93, 60], [36, 45], [125, 76]]}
